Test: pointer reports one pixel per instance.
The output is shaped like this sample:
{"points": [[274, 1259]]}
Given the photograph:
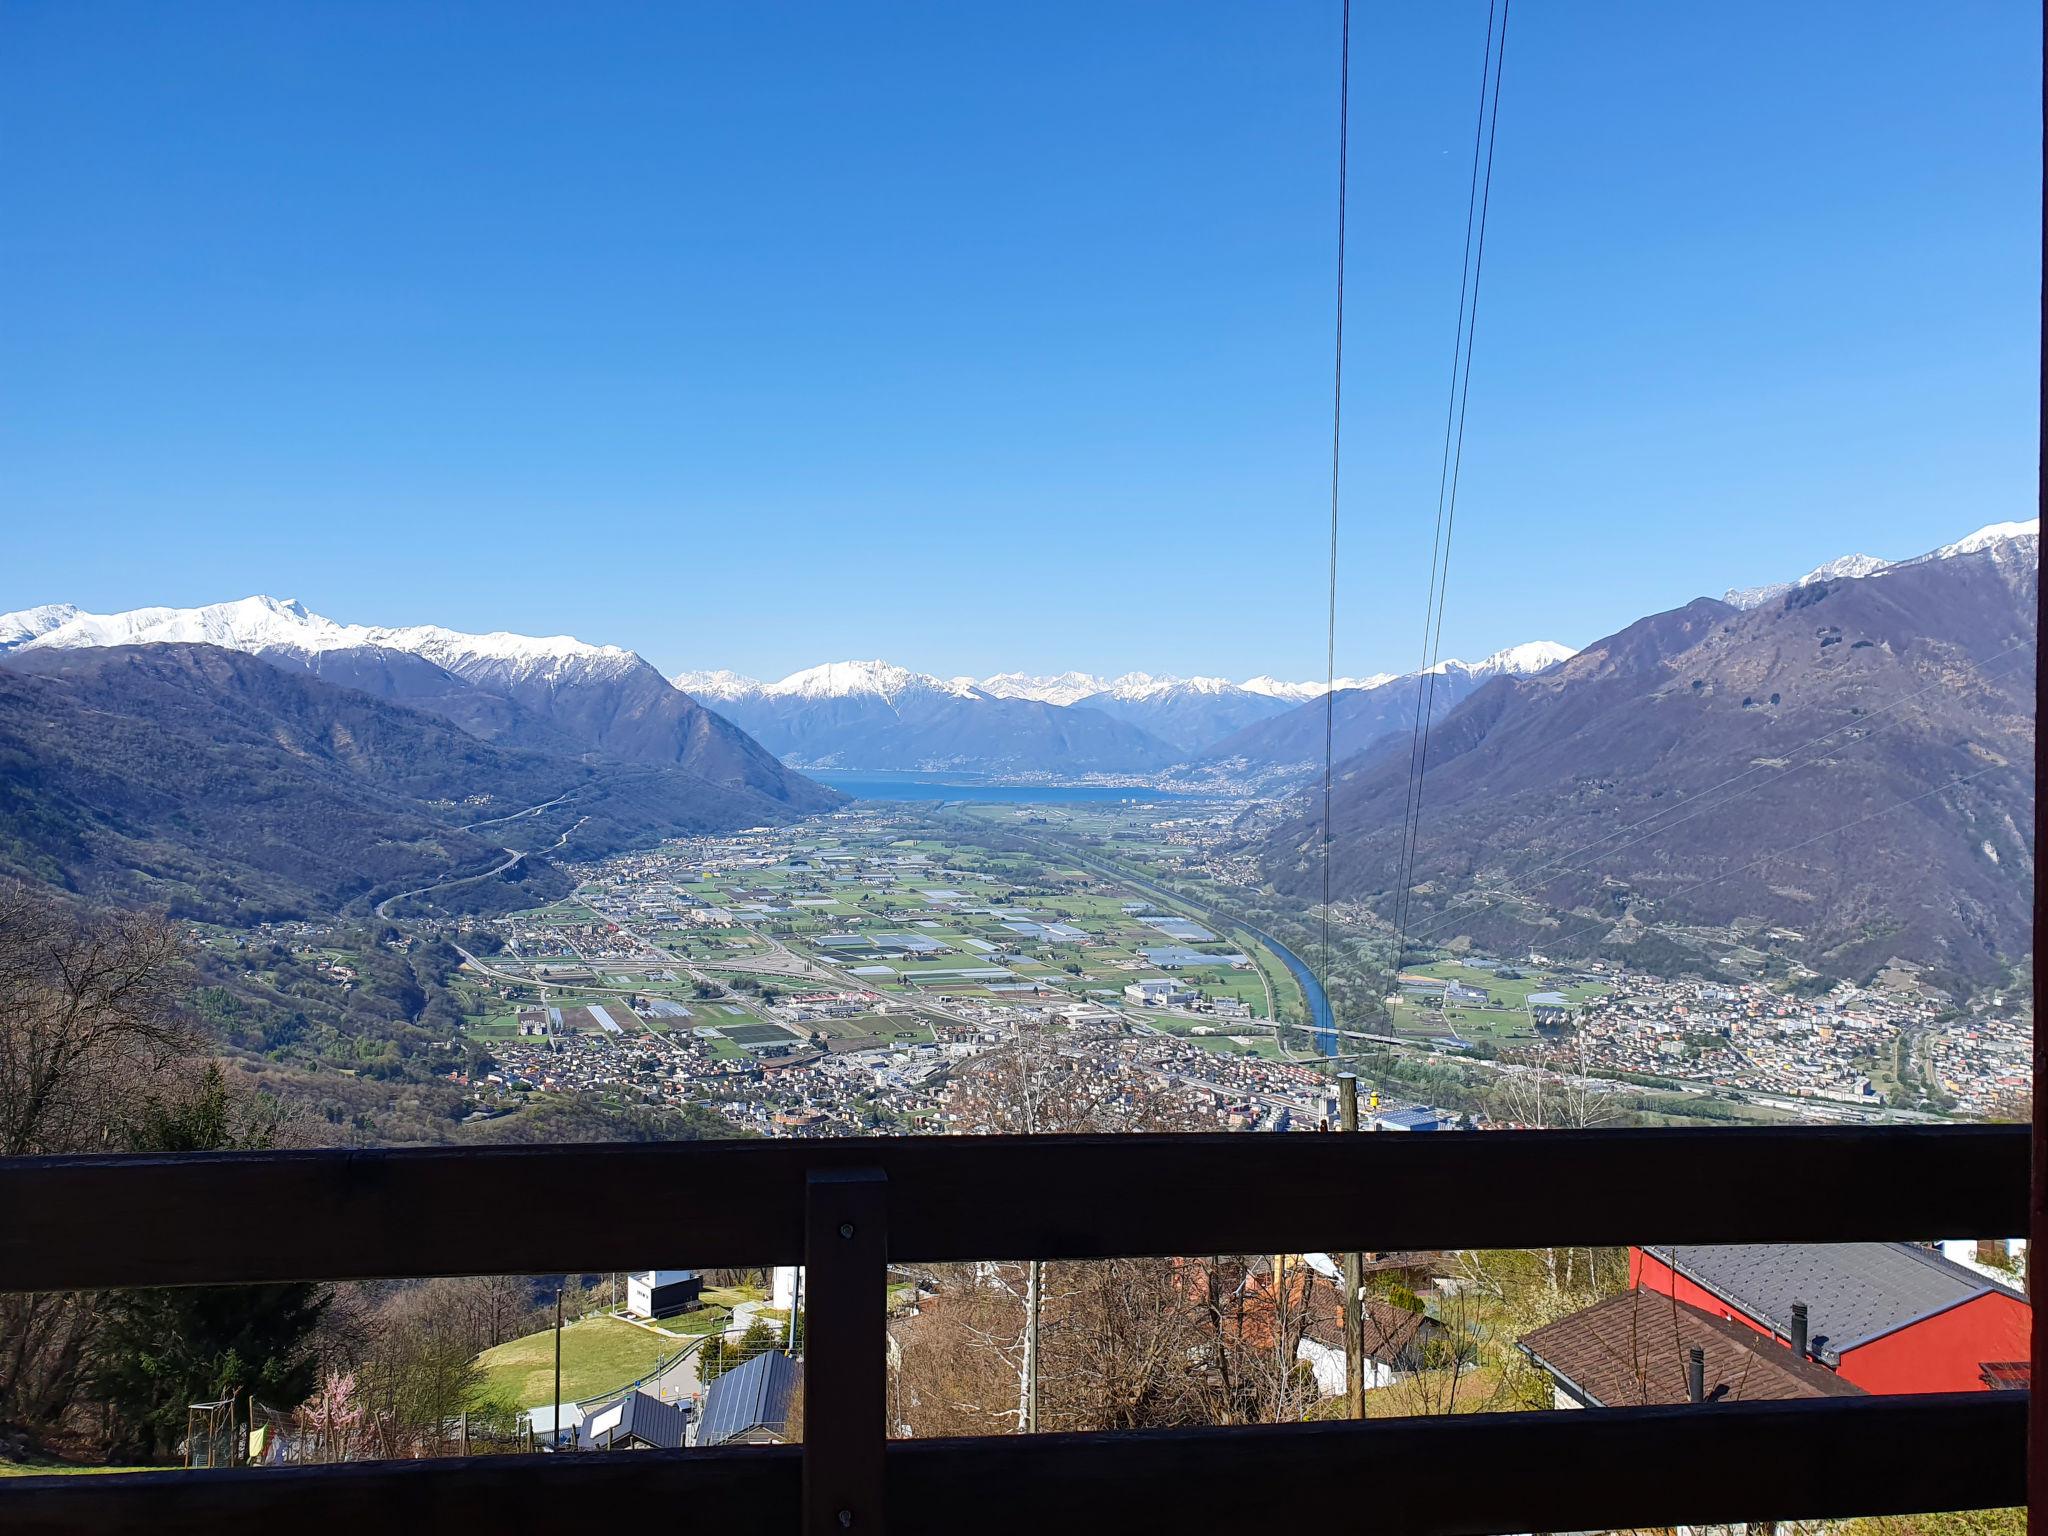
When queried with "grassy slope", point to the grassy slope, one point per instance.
{"points": [[598, 1354]]}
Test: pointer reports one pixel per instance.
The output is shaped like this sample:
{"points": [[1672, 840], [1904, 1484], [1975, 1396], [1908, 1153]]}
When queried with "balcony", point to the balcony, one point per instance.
{"points": [[848, 1208]]}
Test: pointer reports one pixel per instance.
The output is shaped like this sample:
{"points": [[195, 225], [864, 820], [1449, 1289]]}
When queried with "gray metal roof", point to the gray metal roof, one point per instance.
{"points": [[1854, 1292], [751, 1396], [641, 1417]]}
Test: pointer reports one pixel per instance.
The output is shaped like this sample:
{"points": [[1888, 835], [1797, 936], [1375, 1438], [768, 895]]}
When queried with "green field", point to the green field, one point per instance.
{"points": [[598, 1354], [757, 1034]]}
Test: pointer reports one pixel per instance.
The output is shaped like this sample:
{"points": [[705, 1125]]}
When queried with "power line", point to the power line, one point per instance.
{"points": [[1452, 466], [1336, 465], [1444, 466]]}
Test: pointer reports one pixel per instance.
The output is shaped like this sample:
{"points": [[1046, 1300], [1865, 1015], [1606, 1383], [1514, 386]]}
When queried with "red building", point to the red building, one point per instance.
{"points": [[1889, 1317]]}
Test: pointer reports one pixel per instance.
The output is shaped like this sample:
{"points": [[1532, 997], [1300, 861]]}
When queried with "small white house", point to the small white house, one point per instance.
{"points": [[662, 1292]]}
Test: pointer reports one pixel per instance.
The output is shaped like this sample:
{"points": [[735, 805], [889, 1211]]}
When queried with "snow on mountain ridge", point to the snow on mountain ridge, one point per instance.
{"points": [[1992, 536], [716, 684], [18, 628], [259, 624], [846, 679], [1066, 688]]}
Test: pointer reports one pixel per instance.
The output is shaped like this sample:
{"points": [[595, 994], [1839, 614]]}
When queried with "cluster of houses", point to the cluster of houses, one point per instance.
{"points": [[1791, 1320]]}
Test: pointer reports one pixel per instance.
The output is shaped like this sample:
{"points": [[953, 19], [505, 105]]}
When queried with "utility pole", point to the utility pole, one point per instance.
{"points": [[558, 1365], [1034, 1291], [1354, 1278]]}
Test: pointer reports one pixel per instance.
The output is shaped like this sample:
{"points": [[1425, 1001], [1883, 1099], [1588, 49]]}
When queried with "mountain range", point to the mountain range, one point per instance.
{"points": [[223, 786], [874, 715], [254, 758], [563, 695], [1845, 762]]}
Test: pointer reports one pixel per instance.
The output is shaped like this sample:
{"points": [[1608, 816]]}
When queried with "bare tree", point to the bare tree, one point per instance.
{"points": [[89, 1014], [1547, 1090], [89, 1007], [1123, 1343]]}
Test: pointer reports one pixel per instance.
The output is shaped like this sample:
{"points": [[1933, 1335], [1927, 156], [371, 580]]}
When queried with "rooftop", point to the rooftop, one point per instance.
{"points": [[1631, 1350], [1854, 1292]]}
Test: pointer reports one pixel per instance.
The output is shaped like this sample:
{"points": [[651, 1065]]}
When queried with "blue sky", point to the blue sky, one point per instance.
{"points": [[981, 337]]}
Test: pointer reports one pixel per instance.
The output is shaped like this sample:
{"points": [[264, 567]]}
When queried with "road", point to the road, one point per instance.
{"points": [[384, 906], [531, 810], [513, 858]]}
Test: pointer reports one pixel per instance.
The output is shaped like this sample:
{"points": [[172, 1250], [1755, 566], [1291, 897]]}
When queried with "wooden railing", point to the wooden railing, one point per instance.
{"points": [[847, 1208]]}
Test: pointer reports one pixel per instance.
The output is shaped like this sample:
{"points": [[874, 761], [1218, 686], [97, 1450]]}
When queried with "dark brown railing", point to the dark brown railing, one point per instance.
{"points": [[848, 1208]]}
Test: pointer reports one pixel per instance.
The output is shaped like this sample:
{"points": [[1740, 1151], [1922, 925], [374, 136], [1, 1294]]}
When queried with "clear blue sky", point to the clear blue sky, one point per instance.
{"points": [[980, 337]]}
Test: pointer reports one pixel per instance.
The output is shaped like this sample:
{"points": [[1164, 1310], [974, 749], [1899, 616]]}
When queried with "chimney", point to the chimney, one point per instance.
{"points": [[1695, 1375], [1799, 1329]]}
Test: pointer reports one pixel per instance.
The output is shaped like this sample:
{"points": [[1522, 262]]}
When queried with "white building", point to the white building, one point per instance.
{"points": [[661, 1292]]}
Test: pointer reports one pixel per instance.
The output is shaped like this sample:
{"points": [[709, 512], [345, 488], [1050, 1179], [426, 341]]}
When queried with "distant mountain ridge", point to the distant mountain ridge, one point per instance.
{"points": [[876, 715], [230, 788], [1992, 536], [555, 693], [1356, 719]]}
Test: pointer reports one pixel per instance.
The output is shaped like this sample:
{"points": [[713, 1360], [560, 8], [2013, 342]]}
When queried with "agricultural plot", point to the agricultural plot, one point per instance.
{"points": [[757, 1033]]}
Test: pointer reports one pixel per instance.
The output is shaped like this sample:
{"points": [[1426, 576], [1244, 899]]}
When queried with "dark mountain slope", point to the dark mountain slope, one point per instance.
{"points": [[614, 705], [1694, 770], [222, 785]]}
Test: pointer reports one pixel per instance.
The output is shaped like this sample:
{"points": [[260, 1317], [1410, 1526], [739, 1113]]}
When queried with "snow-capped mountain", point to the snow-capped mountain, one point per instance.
{"points": [[1189, 712], [875, 715], [1295, 693], [2020, 539], [552, 693], [716, 684], [1356, 718], [866, 679], [19, 628], [272, 626], [1524, 660], [1066, 688]]}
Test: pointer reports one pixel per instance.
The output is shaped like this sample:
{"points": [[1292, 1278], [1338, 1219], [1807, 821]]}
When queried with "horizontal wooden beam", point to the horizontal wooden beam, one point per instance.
{"points": [[84, 1222], [1594, 1469]]}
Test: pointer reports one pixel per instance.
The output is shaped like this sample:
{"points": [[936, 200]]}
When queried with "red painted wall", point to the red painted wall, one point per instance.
{"points": [[1941, 1353], [1650, 1274]]}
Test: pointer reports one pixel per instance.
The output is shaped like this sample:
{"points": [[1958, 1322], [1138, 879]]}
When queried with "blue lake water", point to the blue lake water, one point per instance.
{"points": [[941, 786]]}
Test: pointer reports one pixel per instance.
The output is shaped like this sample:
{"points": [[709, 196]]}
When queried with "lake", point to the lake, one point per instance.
{"points": [[946, 786]]}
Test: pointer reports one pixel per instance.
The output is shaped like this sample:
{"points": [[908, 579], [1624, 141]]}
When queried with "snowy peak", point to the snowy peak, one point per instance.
{"points": [[1066, 688], [716, 685], [856, 679], [2001, 539], [1992, 536], [1521, 660], [1842, 568], [267, 624], [19, 628], [505, 655], [1143, 685]]}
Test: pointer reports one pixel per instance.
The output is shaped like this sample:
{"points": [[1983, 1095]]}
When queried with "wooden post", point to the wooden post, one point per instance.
{"points": [[555, 1439], [1354, 1277], [846, 1256]]}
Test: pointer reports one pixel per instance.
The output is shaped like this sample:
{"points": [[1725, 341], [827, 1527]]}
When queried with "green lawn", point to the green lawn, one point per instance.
{"points": [[598, 1354]]}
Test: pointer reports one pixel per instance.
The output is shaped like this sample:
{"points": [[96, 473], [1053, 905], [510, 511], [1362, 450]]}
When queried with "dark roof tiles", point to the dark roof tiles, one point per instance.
{"points": [[1631, 1350]]}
